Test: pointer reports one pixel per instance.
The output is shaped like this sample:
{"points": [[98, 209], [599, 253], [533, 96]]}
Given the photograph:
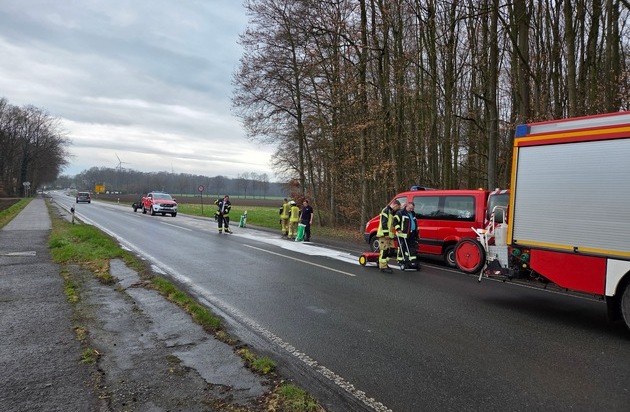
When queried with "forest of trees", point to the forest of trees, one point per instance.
{"points": [[33, 148], [364, 98], [125, 181]]}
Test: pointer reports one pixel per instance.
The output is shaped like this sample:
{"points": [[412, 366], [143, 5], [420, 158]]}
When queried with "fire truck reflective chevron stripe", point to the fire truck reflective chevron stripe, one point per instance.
{"points": [[487, 221]]}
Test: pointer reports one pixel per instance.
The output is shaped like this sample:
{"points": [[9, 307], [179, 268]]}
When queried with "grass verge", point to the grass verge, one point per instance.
{"points": [[87, 246], [292, 398], [89, 355], [200, 314], [92, 249], [12, 211]]}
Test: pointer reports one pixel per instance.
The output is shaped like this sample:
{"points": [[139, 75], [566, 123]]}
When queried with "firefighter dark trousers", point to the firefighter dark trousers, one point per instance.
{"points": [[223, 221], [407, 250]]}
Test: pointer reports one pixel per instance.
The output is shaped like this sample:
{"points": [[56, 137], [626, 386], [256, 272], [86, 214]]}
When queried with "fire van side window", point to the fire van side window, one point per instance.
{"points": [[427, 207], [459, 208]]}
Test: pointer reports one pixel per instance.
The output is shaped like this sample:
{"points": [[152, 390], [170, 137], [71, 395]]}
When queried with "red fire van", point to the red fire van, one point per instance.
{"points": [[445, 217]]}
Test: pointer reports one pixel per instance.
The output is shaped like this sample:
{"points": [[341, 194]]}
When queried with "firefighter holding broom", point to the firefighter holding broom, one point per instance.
{"points": [[294, 219], [407, 234], [223, 213], [385, 235], [285, 212]]}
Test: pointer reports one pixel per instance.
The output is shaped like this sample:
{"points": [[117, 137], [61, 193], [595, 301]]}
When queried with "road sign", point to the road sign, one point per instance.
{"points": [[200, 188]]}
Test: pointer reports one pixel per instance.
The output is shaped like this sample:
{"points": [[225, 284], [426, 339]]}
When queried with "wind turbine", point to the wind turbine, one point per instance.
{"points": [[120, 163], [118, 175]]}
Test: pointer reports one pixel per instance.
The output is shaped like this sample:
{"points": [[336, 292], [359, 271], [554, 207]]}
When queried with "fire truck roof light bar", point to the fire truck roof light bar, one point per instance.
{"points": [[613, 119]]}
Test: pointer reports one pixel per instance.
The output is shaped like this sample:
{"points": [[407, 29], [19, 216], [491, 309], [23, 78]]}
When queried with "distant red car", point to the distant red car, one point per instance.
{"points": [[444, 217]]}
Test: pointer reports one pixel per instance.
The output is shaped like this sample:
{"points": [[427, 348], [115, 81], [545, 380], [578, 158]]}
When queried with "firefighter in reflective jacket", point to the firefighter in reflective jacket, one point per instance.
{"points": [[285, 211], [294, 218], [407, 233], [385, 234], [223, 213]]}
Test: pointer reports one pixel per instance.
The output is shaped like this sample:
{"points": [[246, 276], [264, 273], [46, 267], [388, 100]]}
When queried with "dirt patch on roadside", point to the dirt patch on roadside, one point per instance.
{"points": [[152, 356]]}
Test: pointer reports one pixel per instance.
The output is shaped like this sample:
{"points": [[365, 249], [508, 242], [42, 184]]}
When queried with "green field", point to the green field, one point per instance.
{"points": [[269, 217], [256, 215]]}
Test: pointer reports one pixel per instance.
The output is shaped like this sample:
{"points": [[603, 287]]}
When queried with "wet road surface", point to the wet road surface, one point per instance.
{"points": [[434, 339]]}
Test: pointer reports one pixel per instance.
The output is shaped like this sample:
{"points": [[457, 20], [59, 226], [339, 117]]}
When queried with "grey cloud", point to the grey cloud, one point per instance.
{"points": [[148, 69]]}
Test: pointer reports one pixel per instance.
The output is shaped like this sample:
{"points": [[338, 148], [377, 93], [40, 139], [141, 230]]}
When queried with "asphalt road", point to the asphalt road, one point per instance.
{"points": [[407, 341]]}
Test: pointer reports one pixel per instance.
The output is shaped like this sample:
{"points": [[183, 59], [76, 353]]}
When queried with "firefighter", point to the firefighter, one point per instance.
{"points": [[285, 211], [223, 214], [407, 233], [294, 218], [385, 234]]}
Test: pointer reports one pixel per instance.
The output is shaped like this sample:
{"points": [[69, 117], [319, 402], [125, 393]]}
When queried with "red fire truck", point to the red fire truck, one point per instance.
{"points": [[569, 212]]}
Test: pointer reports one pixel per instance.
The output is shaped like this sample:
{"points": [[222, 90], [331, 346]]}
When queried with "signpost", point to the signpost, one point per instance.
{"points": [[200, 189], [27, 189]]}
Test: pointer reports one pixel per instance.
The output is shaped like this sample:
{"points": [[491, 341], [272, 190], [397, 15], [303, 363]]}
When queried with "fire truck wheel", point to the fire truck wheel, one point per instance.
{"points": [[470, 255], [625, 305]]}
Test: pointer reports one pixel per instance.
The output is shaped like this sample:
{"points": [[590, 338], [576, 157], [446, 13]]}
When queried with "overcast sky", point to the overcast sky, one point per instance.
{"points": [[147, 80]]}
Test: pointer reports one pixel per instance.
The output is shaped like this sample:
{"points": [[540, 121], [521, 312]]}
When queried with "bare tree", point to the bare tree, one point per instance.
{"points": [[364, 98], [33, 147]]}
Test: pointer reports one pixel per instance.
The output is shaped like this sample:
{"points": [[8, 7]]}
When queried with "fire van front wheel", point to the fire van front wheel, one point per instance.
{"points": [[374, 244], [470, 255], [449, 256]]}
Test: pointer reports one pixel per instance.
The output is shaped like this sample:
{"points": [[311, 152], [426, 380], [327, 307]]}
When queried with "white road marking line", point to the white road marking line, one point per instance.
{"points": [[301, 261], [213, 301], [179, 227], [28, 253]]}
